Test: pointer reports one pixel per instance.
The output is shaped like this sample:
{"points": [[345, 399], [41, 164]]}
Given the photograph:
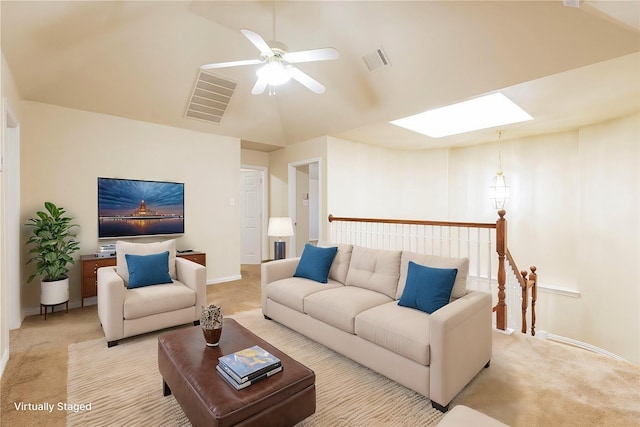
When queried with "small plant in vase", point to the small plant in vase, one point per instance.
{"points": [[211, 322]]}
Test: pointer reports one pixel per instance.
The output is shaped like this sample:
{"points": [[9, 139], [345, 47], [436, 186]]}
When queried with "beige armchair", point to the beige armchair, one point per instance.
{"points": [[125, 311]]}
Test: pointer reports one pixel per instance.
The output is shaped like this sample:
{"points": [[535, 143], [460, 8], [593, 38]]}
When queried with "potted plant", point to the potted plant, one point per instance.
{"points": [[53, 243]]}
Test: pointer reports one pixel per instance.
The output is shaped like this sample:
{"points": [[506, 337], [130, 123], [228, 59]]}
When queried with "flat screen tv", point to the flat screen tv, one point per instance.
{"points": [[136, 208]]}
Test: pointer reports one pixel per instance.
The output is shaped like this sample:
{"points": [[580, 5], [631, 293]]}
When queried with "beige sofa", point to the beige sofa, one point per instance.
{"points": [[356, 313], [125, 312]]}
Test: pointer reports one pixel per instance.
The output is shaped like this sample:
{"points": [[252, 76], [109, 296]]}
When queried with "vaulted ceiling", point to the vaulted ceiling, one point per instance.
{"points": [[566, 66]]}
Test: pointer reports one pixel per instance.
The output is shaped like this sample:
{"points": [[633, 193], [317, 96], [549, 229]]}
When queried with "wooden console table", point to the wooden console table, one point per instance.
{"points": [[91, 264]]}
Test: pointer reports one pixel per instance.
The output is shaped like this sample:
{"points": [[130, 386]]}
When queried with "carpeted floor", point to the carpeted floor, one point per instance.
{"points": [[531, 382]]}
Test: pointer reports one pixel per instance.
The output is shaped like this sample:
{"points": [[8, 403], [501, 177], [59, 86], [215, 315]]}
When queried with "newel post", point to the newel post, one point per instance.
{"points": [[501, 248]]}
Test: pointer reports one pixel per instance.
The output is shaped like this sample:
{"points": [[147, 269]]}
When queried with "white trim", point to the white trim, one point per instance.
{"points": [[578, 344], [542, 287], [291, 176], [558, 290], [224, 279], [35, 311], [3, 361], [507, 331]]}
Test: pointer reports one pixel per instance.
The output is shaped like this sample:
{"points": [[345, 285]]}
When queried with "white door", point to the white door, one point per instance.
{"points": [[251, 216]]}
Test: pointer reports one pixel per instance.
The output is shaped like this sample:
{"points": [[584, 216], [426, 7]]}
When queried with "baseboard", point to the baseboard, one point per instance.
{"points": [[3, 361], [224, 279], [32, 311], [507, 331], [578, 344]]}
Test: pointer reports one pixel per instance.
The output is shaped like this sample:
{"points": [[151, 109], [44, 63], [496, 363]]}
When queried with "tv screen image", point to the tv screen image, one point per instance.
{"points": [[135, 208]]}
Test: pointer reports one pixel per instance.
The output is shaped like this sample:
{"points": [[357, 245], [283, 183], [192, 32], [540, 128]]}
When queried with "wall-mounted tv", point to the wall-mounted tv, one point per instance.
{"points": [[136, 208]]}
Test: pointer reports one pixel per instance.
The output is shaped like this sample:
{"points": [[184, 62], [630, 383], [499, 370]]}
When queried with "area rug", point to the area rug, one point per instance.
{"points": [[531, 382], [122, 384]]}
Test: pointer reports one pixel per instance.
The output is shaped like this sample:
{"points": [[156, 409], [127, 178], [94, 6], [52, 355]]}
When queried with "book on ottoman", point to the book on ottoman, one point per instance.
{"points": [[240, 386], [248, 364]]}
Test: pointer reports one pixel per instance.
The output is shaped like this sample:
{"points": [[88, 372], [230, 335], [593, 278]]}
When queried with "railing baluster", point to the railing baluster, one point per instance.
{"points": [[478, 274], [489, 257]]}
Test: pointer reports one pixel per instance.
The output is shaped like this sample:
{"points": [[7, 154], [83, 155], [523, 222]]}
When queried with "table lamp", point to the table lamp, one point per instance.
{"points": [[280, 227]]}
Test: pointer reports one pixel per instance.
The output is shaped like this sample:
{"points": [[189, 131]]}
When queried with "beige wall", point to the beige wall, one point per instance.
{"points": [[374, 182], [254, 158], [609, 235], [574, 213], [65, 150]]}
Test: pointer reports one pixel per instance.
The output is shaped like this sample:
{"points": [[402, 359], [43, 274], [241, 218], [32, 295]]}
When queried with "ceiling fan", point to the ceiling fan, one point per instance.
{"points": [[278, 68]]}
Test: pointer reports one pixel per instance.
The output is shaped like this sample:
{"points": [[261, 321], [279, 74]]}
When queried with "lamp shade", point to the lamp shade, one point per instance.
{"points": [[280, 227]]}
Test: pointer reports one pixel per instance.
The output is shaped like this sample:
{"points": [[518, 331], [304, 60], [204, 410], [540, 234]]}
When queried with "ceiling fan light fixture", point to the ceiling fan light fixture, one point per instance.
{"points": [[274, 73]]}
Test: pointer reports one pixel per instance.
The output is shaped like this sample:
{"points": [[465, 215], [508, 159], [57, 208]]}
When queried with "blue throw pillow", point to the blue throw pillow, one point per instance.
{"points": [[427, 288], [146, 270], [315, 263]]}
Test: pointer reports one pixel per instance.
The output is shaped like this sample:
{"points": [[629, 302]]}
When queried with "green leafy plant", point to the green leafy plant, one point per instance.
{"points": [[53, 239]]}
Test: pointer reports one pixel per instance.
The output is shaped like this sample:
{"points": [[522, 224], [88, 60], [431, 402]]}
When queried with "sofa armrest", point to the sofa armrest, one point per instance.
{"points": [[111, 303], [194, 276], [275, 270], [460, 343]]}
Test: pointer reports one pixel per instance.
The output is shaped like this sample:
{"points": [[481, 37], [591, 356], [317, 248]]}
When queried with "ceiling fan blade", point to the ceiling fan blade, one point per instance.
{"points": [[231, 64], [306, 80], [259, 87], [258, 42], [323, 54]]}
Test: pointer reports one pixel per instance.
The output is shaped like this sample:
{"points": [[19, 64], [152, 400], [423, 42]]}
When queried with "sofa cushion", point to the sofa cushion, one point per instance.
{"points": [[374, 269], [148, 300], [339, 306], [427, 289], [315, 263], [462, 264], [123, 248], [401, 330], [147, 270], [340, 265], [292, 291]]}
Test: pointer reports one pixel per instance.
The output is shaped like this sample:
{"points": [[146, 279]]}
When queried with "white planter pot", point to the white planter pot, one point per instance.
{"points": [[52, 293]]}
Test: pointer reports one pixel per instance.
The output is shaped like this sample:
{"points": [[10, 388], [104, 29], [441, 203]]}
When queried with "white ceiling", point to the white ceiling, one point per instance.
{"points": [[566, 66]]}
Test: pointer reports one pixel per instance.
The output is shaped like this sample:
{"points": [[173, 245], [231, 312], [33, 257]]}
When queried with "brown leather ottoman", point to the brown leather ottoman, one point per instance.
{"points": [[188, 369]]}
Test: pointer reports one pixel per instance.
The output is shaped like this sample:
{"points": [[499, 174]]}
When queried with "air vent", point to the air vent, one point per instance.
{"points": [[210, 98], [376, 60]]}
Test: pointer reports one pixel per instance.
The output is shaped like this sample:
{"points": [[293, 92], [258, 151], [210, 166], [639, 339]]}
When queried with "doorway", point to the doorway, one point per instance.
{"points": [[305, 206], [252, 205], [10, 231]]}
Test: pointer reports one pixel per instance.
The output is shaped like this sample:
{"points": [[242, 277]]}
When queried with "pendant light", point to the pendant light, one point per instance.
{"points": [[499, 189]]}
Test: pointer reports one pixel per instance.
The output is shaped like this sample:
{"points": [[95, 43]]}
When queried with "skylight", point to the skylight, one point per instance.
{"points": [[479, 113]]}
